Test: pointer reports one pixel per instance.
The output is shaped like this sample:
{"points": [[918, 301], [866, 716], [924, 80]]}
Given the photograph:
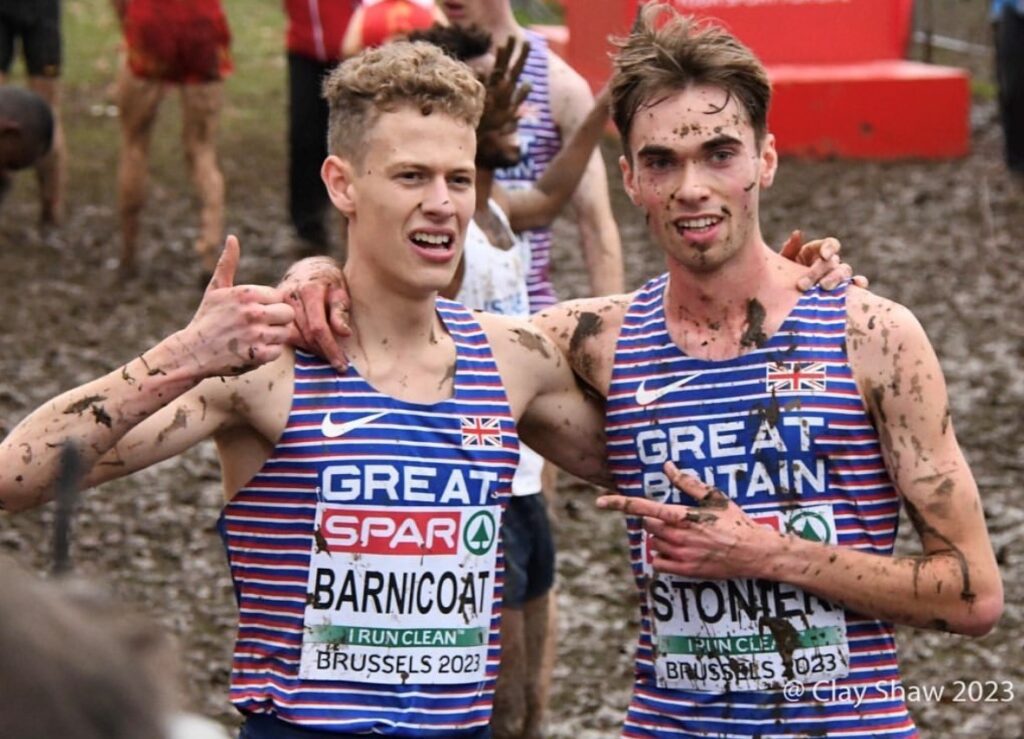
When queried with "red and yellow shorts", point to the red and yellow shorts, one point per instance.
{"points": [[180, 41]]}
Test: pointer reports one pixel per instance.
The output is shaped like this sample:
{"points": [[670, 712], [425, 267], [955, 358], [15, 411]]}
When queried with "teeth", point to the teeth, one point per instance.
{"points": [[697, 223], [431, 239]]}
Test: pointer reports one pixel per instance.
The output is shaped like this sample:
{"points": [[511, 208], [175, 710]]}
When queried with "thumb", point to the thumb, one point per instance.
{"points": [[227, 265]]}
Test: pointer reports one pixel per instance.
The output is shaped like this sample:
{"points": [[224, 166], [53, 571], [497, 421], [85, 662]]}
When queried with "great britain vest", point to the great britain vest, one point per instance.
{"points": [[366, 553], [539, 143], [783, 431]]}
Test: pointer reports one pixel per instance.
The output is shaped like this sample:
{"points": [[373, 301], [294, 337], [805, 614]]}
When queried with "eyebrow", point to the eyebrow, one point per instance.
{"points": [[658, 150]]}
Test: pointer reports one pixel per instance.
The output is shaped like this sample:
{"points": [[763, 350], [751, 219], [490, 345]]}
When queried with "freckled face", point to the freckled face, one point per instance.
{"points": [[413, 196], [696, 173]]}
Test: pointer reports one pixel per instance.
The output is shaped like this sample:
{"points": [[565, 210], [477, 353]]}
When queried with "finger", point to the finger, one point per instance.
{"points": [[838, 273], [674, 515], [830, 247], [818, 269], [860, 281], [227, 264], [517, 69], [792, 246], [337, 299], [694, 487], [522, 92]]}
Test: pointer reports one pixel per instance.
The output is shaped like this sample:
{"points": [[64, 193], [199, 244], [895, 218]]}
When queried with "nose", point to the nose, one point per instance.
{"points": [[437, 199], [692, 186]]}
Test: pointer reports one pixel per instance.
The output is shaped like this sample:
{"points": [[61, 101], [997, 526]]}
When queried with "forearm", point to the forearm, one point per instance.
{"points": [[93, 417], [602, 252], [932, 591]]}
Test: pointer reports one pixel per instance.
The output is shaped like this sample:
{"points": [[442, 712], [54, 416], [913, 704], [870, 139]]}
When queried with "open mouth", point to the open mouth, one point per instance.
{"points": [[433, 241], [699, 225]]}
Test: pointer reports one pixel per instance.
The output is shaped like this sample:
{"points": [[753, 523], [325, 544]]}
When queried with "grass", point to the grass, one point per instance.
{"points": [[254, 113]]}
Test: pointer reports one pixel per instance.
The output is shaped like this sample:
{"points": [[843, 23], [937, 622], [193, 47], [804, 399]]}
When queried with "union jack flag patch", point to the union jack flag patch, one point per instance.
{"points": [[480, 431], [795, 377]]}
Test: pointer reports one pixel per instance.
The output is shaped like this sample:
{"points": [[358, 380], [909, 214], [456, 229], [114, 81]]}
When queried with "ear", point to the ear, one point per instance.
{"points": [[337, 176], [628, 183], [769, 161]]}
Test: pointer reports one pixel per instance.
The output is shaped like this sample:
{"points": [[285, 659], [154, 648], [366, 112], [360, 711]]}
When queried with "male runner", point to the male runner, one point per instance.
{"points": [[768, 434], [362, 509], [558, 103], [35, 24], [185, 44], [26, 131]]}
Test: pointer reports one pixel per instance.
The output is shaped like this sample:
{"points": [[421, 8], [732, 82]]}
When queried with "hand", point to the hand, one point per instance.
{"points": [[711, 540], [822, 256], [236, 328], [315, 289], [503, 96]]}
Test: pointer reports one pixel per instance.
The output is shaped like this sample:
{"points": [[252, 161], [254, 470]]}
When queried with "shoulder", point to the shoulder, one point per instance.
{"points": [[586, 332], [886, 345], [571, 98], [874, 322]]}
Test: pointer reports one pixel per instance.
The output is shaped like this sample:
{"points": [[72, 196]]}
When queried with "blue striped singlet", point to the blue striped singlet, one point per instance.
{"points": [[366, 553], [783, 431], [539, 143]]}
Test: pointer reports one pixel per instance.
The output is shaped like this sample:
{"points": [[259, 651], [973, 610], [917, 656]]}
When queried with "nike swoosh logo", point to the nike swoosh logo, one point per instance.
{"points": [[333, 430], [646, 397]]}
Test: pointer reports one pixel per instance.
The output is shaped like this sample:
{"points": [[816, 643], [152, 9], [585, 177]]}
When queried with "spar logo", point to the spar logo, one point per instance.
{"points": [[344, 530], [810, 525], [807, 524], [480, 533]]}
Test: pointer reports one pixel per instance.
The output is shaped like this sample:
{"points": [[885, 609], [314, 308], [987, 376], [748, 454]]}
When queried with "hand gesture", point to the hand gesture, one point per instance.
{"points": [[822, 257], [236, 327], [315, 289], [710, 540], [503, 95]]}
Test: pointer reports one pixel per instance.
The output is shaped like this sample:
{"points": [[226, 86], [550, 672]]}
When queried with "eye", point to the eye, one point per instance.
{"points": [[722, 155], [462, 181], [409, 176]]}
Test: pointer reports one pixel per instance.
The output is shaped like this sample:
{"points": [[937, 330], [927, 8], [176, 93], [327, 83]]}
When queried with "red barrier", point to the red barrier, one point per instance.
{"points": [[841, 85]]}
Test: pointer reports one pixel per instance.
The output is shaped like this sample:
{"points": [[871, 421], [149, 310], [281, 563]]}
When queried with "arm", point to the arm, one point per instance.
{"points": [[953, 584], [540, 205], [553, 413], [585, 332], [351, 42], [599, 234], [234, 330]]}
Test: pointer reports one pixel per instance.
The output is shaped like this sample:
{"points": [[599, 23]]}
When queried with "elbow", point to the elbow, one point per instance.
{"points": [[983, 611]]}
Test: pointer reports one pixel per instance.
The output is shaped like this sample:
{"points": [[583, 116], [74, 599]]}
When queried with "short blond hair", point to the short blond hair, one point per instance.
{"points": [[399, 74]]}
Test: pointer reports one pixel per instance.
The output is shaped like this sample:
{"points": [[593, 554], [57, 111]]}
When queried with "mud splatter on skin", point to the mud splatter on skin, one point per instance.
{"points": [[26, 456], [180, 422], [126, 376], [924, 528], [754, 334], [448, 375], [150, 371], [101, 416], [533, 341], [587, 325], [78, 407]]}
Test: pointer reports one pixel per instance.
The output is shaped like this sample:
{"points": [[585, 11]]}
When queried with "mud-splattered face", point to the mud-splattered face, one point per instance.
{"points": [[696, 172], [412, 196]]}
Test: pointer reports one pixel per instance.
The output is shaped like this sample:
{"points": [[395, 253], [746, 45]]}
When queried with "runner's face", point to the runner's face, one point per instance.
{"points": [[413, 195], [483, 13], [697, 174]]}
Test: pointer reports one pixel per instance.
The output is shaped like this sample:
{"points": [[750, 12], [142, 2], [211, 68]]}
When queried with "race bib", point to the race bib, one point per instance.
{"points": [[719, 635], [400, 594]]}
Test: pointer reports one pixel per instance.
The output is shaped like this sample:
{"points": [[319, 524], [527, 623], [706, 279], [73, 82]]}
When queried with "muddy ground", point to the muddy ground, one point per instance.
{"points": [[943, 238]]}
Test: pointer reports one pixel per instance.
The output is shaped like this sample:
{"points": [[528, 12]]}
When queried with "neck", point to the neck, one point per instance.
{"points": [[721, 313], [504, 25], [484, 185], [384, 316]]}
